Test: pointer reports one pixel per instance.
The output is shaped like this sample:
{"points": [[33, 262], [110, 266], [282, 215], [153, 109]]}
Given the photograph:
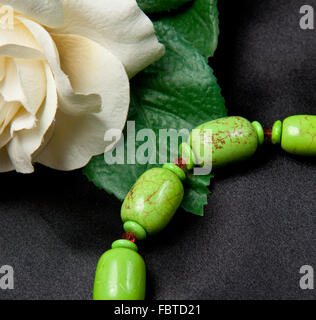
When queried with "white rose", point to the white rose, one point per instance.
{"points": [[64, 78]]}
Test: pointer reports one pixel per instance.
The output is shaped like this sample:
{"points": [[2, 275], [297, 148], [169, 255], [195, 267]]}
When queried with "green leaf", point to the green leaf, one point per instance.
{"points": [[151, 6], [179, 91], [198, 23], [196, 192]]}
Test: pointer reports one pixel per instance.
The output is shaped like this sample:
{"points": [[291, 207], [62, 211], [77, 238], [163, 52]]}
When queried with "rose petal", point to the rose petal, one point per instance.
{"points": [[76, 139], [7, 112], [10, 87], [120, 26], [26, 142], [19, 158], [5, 162], [24, 82], [47, 12], [91, 68], [19, 43], [69, 101], [16, 51], [19, 36], [2, 68], [31, 75], [23, 120], [5, 137]]}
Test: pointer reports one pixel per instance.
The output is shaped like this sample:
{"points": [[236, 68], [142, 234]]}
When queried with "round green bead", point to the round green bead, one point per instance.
{"points": [[276, 132], [137, 230], [176, 170], [260, 132], [298, 135], [187, 154], [231, 139], [122, 243], [153, 200], [120, 275]]}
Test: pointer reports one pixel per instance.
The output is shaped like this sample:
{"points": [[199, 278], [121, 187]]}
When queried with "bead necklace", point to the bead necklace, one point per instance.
{"points": [[153, 200]]}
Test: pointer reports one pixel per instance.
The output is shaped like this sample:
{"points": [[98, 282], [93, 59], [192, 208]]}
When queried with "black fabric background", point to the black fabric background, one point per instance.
{"points": [[259, 226]]}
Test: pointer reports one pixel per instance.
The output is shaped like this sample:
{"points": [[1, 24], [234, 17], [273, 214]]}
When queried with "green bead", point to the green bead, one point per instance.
{"points": [[260, 132], [176, 170], [120, 275], [187, 154], [298, 135], [153, 200], [122, 243], [137, 230], [276, 132], [231, 139]]}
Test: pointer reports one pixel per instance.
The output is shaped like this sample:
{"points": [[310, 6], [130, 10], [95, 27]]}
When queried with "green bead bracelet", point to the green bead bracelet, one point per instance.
{"points": [[155, 197]]}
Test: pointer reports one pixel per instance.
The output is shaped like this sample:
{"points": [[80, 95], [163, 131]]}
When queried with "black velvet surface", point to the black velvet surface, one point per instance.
{"points": [[259, 226]]}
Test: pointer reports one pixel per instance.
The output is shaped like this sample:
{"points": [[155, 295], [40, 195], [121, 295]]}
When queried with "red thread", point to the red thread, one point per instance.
{"points": [[129, 236], [180, 163], [267, 134]]}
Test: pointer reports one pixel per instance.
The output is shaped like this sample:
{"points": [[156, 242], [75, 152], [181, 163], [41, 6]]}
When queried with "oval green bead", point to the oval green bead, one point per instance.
{"points": [[137, 230], [298, 135], [233, 139], [153, 200], [120, 275], [122, 243], [276, 132]]}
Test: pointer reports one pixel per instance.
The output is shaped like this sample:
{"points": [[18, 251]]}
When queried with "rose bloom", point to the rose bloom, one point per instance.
{"points": [[64, 78]]}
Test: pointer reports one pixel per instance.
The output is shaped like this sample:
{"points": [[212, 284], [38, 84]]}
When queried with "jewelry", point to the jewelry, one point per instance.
{"points": [[157, 194]]}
